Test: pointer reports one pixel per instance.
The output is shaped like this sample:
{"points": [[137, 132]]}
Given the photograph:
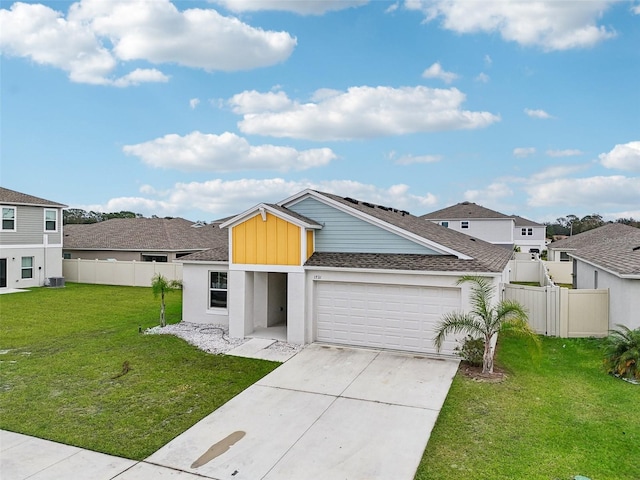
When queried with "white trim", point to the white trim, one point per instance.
{"points": [[35, 245], [261, 208], [375, 221], [251, 267], [45, 210], [427, 273], [15, 218]]}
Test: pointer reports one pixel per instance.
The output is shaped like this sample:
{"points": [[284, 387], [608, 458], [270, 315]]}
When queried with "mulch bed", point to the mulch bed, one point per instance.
{"points": [[475, 373]]}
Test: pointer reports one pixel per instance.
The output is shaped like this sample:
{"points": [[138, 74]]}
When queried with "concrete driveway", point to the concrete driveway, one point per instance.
{"points": [[328, 413]]}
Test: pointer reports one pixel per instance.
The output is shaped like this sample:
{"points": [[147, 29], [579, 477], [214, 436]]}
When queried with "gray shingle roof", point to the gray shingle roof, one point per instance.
{"points": [[144, 234], [16, 198], [525, 222], [600, 235], [490, 257], [614, 247], [220, 254], [385, 261], [464, 211]]}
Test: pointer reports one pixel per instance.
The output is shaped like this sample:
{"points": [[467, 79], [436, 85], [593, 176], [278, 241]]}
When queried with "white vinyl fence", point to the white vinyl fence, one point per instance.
{"points": [[107, 272], [561, 312]]}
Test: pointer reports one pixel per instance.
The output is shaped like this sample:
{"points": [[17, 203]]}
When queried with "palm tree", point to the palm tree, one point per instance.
{"points": [[622, 352], [485, 319], [160, 285]]}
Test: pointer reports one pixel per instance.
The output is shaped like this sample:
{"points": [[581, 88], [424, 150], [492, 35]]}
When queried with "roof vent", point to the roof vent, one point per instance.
{"points": [[464, 203], [404, 212], [352, 200], [367, 204], [636, 248]]}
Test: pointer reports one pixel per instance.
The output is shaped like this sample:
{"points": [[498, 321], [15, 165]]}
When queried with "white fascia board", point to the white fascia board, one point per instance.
{"points": [[201, 262], [447, 273], [631, 276], [375, 221], [262, 207], [249, 267]]}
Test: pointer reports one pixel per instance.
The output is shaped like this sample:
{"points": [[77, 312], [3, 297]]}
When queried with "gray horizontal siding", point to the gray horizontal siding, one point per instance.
{"points": [[30, 227], [342, 232]]}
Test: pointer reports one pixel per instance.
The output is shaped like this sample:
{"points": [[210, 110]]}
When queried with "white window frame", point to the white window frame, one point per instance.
{"points": [[529, 231], [24, 268], [523, 231], [464, 224], [55, 229], [15, 220], [445, 224], [212, 289]]}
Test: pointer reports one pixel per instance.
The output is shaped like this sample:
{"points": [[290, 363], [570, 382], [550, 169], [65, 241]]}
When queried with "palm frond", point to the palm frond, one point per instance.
{"points": [[456, 322]]}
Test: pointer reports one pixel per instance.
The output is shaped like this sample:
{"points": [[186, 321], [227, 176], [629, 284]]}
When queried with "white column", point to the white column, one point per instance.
{"points": [[296, 321]]}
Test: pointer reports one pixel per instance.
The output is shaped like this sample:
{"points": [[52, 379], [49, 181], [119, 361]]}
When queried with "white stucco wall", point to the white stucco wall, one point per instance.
{"points": [[624, 294], [195, 294], [47, 262], [498, 231]]}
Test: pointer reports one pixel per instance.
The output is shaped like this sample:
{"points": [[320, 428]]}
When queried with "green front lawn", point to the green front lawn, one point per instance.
{"points": [[65, 348], [553, 418]]}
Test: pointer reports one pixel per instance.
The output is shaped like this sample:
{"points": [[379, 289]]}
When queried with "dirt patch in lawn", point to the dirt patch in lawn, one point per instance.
{"points": [[475, 373]]}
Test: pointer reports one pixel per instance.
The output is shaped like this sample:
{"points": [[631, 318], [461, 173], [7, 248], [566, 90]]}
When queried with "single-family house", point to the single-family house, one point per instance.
{"points": [[139, 239], [510, 231], [339, 270], [608, 257], [30, 240]]}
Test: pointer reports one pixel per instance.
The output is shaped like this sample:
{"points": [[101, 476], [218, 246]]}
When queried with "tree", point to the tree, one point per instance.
{"points": [[485, 320], [622, 352], [160, 285]]}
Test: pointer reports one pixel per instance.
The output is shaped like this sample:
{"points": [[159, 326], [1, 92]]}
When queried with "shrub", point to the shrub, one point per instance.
{"points": [[472, 350], [622, 352]]}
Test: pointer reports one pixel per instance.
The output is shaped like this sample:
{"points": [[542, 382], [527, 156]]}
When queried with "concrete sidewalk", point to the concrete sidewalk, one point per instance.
{"points": [[328, 413]]}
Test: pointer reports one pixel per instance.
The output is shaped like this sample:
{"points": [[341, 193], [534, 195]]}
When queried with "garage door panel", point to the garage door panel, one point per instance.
{"points": [[399, 317]]}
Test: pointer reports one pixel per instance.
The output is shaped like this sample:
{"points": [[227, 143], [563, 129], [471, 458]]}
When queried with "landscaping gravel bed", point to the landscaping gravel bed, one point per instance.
{"points": [[212, 338]]}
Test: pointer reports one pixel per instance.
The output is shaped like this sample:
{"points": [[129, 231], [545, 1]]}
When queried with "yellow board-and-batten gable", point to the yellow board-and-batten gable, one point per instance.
{"points": [[266, 239]]}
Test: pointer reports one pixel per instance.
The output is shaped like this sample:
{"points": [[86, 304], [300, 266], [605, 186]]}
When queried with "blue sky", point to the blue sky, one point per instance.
{"points": [[203, 109]]}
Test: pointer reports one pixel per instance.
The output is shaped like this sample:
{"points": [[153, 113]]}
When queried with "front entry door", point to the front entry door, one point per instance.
{"points": [[3, 272]]}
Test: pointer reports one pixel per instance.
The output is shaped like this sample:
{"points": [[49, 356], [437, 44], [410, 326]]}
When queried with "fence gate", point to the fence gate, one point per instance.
{"points": [[542, 305]]}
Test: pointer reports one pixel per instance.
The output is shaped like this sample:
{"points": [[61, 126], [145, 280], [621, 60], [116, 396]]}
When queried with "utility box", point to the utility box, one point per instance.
{"points": [[56, 282]]}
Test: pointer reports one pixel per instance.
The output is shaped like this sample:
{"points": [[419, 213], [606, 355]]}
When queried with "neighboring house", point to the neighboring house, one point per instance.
{"points": [[608, 257], [337, 270], [510, 231], [30, 240], [139, 239]]}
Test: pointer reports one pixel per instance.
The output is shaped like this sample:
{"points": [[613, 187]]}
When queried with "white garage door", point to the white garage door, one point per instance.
{"points": [[399, 317]]}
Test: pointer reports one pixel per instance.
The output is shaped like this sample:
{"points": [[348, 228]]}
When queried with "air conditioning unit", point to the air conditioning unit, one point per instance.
{"points": [[56, 282]]}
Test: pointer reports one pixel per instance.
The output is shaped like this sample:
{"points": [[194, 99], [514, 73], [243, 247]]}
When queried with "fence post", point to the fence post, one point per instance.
{"points": [[564, 312]]}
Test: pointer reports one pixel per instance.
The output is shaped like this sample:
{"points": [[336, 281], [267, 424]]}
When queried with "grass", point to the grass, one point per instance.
{"points": [[553, 418], [65, 346]]}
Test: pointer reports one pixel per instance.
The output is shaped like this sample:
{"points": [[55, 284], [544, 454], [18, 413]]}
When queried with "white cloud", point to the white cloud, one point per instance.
{"points": [[482, 78], [488, 61], [392, 8], [550, 24], [622, 157], [302, 7], [490, 195], [214, 199], [636, 9], [413, 159], [436, 71], [194, 102], [540, 114], [361, 112], [141, 75], [96, 35], [570, 152], [606, 192], [556, 171], [255, 102], [223, 153], [522, 152]]}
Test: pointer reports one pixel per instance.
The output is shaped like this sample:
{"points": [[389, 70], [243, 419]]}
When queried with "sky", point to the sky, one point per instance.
{"points": [[204, 109]]}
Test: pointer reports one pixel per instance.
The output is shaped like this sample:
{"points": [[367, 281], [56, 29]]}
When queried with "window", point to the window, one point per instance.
{"points": [[217, 289], [8, 218], [445, 224], [50, 220], [464, 224], [526, 231], [523, 231], [564, 257], [66, 255], [529, 231], [154, 258], [27, 267]]}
